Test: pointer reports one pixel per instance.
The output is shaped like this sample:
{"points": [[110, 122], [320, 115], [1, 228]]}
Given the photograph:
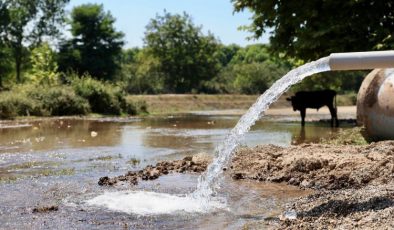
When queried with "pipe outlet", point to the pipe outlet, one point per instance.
{"points": [[362, 60]]}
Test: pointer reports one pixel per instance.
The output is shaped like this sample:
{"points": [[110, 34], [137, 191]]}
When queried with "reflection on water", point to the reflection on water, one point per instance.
{"points": [[192, 133], [55, 159]]}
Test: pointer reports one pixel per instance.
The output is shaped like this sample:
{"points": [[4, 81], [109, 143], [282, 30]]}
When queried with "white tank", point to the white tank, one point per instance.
{"points": [[375, 104]]}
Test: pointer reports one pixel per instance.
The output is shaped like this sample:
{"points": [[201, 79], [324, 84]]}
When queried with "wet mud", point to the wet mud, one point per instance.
{"points": [[353, 185], [190, 164]]}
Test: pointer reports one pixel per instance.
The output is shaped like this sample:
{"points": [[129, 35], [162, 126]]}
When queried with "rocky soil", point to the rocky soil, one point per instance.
{"points": [[354, 185], [194, 164]]}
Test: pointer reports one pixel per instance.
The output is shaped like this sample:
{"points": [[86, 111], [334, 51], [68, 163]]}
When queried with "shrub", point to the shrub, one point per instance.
{"points": [[25, 100], [15, 104], [136, 107], [103, 98], [62, 100]]}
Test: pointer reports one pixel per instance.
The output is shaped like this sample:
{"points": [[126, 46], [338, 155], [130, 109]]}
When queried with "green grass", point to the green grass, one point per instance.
{"points": [[352, 136]]}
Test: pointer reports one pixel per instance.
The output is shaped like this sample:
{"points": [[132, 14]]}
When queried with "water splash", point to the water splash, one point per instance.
{"points": [[204, 199], [152, 203], [210, 180]]}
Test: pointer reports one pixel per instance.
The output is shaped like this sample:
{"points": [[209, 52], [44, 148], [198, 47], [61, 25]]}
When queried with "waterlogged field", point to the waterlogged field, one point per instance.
{"points": [[49, 169]]}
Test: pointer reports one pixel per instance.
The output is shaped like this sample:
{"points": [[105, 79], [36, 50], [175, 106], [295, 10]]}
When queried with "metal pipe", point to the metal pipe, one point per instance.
{"points": [[362, 60]]}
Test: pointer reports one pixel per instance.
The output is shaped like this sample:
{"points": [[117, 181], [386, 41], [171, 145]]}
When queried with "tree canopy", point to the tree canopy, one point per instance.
{"points": [[96, 46], [186, 56], [28, 21], [310, 29]]}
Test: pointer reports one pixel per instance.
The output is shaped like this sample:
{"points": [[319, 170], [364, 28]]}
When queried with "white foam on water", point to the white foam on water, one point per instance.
{"points": [[152, 203]]}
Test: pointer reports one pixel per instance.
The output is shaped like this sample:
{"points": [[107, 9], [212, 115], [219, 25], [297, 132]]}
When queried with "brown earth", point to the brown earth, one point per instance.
{"points": [[185, 103], [195, 164], [354, 185]]}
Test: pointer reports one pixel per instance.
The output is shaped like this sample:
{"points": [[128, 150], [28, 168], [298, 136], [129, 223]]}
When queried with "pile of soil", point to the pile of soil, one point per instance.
{"points": [[317, 166], [195, 164], [354, 185], [371, 207]]}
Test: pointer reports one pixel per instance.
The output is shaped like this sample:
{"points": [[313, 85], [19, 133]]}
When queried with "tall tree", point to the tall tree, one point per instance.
{"points": [[96, 46], [28, 22], [185, 55], [309, 29]]}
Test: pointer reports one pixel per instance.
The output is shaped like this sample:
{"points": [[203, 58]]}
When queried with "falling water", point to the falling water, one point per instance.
{"points": [[204, 199], [210, 180]]}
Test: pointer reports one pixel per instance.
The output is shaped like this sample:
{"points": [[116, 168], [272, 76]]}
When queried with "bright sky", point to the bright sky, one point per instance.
{"points": [[215, 16]]}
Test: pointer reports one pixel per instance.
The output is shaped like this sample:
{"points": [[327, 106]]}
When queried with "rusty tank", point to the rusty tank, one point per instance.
{"points": [[375, 104]]}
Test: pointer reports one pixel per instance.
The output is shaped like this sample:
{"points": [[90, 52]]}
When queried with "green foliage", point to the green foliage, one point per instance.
{"points": [[143, 76], [342, 82], [104, 98], [347, 99], [44, 66], [251, 70], [186, 57], [13, 104], [250, 54], [5, 63], [352, 136], [95, 47], [227, 53], [310, 29], [255, 78], [60, 100], [136, 107], [26, 100], [28, 21]]}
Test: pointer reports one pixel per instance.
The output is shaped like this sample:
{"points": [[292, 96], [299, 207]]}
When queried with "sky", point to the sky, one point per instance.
{"points": [[215, 16]]}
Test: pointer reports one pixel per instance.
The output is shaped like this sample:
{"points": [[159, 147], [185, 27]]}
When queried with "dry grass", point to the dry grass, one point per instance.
{"points": [[178, 103]]}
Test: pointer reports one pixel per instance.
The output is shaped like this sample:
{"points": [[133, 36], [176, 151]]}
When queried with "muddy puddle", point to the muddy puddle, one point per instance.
{"points": [[49, 168]]}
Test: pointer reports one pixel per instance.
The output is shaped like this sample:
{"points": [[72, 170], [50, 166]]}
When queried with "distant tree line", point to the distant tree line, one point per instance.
{"points": [[177, 57]]}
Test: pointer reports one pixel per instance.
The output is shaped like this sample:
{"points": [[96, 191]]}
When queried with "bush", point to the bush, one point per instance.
{"points": [[29, 100], [13, 104], [136, 107], [84, 95], [61, 100], [103, 98]]}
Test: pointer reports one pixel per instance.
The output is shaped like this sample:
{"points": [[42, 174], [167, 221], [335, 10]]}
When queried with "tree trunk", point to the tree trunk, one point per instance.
{"points": [[18, 69], [18, 52]]}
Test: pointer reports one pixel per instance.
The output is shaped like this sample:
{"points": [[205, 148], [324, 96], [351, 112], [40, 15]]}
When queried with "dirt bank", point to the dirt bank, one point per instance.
{"points": [[183, 103], [317, 166], [354, 184]]}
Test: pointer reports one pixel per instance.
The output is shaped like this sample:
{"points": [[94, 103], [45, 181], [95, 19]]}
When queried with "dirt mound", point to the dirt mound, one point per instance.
{"points": [[308, 166], [195, 164], [317, 166], [371, 207]]}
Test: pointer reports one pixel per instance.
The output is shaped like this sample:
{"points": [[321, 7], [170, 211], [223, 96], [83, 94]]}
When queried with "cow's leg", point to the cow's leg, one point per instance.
{"points": [[334, 117], [302, 112]]}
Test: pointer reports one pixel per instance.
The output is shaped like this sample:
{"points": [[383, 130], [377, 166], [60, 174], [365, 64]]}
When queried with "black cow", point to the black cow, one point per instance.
{"points": [[315, 100]]}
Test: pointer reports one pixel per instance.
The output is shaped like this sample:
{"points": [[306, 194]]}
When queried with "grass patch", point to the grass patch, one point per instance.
{"points": [[62, 172], [32, 164], [347, 99], [8, 179], [353, 136], [133, 161]]}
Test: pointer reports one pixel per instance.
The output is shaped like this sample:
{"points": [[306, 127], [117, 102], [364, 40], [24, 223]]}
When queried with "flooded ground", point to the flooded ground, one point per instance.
{"points": [[48, 163]]}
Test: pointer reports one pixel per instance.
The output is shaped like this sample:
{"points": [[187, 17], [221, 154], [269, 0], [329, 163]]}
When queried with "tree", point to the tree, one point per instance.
{"points": [[186, 56], [44, 67], [310, 29], [27, 22], [227, 53], [95, 47], [251, 70]]}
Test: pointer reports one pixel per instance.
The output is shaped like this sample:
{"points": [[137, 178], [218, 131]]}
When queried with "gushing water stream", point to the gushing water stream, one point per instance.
{"points": [[204, 198], [210, 180]]}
